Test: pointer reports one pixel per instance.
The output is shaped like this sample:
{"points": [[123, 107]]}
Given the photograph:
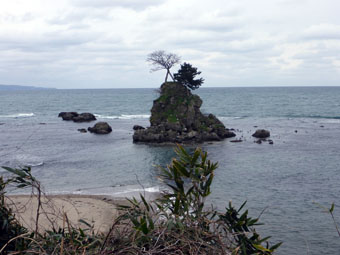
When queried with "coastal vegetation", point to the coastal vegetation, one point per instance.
{"points": [[177, 222], [186, 76]]}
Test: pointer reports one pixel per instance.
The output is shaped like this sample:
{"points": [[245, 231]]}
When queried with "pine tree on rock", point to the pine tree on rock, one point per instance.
{"points": [[186, 76]]}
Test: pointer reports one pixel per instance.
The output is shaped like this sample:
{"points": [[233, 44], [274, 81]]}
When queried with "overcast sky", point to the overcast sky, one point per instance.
{"points": [[104, 43]]}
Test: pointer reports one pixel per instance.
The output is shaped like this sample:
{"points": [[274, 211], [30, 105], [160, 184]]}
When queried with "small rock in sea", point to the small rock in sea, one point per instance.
{"points": [[101, 128], [68, 115], [83, 117], [255, 126], [137, 127], [82, 130], [236, 141], [261, 133], [295, 131], [229, 134], [42, 123], [322, 126], [2, 124], [270, 141], [258, 141]]}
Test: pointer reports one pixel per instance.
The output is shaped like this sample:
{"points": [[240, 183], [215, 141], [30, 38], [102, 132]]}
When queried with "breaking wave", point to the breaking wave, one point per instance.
{"points": [[123, 116], [18, 115]]}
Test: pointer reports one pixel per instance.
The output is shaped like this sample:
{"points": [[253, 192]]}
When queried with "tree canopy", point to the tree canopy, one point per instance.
{"points": [[186, 76], [161, 60]]}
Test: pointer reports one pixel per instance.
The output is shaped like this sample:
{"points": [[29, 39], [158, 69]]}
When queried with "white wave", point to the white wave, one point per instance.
{"points": [[150, 189], [140, 116], [230, 118], [121, 191], [35, 164], [27, 160], [106, 116], [18, 115], [330, 121], [123, 116]]}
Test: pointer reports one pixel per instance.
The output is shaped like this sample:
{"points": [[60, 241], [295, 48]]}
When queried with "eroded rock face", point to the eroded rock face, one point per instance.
{"points": [[261, 133], [83, 117], [176, 117], [101, 128]]}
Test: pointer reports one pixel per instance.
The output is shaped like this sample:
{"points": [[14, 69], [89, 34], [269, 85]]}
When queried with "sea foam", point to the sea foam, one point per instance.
{"points": [[18, 115], [123, 116]]}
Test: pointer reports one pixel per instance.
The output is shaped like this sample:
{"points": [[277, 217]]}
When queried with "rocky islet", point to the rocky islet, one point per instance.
{"points": [[176, 118]]}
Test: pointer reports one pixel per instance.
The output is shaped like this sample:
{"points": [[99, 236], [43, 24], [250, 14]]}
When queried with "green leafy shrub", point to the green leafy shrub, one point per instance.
{"points": [[179, 223], [9, 226]]}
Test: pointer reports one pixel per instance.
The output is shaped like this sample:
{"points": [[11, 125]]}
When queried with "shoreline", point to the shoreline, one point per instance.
{"points": [[99, 211]]}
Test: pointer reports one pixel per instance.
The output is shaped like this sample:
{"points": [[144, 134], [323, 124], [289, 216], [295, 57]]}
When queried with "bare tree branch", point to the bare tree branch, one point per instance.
{"points": [[161, 60]]}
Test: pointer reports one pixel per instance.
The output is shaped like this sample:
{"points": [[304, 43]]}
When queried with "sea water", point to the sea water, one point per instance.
{"points": [[285, 182]]}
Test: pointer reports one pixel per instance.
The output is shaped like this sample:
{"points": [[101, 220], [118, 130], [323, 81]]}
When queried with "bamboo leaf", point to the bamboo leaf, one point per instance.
{"points": [[274, 247], [261, 248], [242, 206], [145, 203], [84, 222]]}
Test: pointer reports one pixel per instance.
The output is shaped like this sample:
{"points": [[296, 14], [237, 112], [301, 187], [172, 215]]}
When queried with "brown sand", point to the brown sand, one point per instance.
{"points": [[98, 211]]}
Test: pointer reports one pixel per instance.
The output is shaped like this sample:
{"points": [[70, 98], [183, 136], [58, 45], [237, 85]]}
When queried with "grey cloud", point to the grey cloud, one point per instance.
{"points": [[130, 4], [322, 32], [218, 25], [50, 41], [105, 42], [9, 18]]}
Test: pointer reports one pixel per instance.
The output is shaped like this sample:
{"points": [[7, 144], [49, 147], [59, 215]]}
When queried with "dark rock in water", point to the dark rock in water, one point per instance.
{"points": [[84, 117], [229, 134], [322, 126], [82, 130], [236, 141], [100, 128], [68, 115], [2, 124], [176, 118], [261, 133], [259, 141], [270, 141], [137, 127], [41, 123]]}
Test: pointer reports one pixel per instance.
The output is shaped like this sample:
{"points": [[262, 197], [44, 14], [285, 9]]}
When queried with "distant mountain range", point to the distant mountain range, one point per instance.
{"points": [[19, 87]]}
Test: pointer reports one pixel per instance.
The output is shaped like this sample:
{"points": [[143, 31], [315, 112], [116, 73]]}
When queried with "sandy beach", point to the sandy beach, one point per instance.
{"points": [[98, 211]]}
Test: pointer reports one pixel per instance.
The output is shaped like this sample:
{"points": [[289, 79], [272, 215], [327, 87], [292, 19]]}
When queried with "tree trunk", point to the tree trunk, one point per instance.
{"points": [[166, 76], [173, 79]]}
